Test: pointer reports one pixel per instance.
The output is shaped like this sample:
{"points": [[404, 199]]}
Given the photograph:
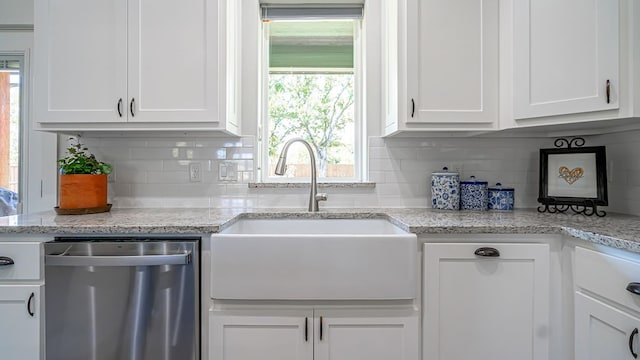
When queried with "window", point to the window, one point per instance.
{"points": [[311, 90], [10, 130]]}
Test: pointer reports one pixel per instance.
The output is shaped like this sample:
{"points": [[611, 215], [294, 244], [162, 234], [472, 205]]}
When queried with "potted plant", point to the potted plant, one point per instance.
{"points": [[83, 179]]}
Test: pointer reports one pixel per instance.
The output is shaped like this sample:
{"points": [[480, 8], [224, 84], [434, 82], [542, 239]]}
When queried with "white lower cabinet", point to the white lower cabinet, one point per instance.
{"points": [[21, 300], [20, 322], [604, 332], [607, 305], [264, 335], [486, 301], [335, 334]]}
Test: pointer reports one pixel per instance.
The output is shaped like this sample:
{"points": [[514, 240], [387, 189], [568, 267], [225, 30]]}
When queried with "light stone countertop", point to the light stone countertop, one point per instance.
{"points": [[620, 231]]}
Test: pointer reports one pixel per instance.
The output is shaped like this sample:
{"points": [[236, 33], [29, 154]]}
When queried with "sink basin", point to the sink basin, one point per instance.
{"points": [[314, 259]]}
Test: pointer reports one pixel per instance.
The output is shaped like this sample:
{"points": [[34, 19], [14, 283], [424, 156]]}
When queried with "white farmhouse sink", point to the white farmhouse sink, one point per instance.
{"points": [[314, 259]]}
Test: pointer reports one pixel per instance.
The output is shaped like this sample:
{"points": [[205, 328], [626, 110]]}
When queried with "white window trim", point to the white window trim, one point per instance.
{"points": [[359, 128], [38, 170]]}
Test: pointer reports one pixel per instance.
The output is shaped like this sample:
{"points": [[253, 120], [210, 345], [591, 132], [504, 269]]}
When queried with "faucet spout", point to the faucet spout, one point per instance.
{"points": [[281, 166]]}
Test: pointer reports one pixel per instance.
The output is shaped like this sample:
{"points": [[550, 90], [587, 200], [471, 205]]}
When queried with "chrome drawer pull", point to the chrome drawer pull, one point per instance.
{"points": [[6, 261]]}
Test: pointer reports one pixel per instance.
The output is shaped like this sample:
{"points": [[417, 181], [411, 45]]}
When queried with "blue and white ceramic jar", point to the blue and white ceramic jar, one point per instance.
{"points": [[474, 194], [445, 190], [501, 198]]}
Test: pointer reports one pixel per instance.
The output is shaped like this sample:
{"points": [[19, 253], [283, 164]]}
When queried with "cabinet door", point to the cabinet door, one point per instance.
{"points": [[80, 61], [604, 332], [489, 308], [452, 55], [261, 335], [371, 335], [20, 311], [565, 54], [173, 60]]}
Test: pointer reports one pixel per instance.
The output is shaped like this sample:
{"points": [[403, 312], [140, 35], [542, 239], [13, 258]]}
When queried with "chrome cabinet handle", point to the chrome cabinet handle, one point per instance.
{"points": [[487, 252], [633, 334], [6, 261], [608, 91], [320, 328], [634, 288], [306, 329], [32, 313], [120, 107], [131, 106]]}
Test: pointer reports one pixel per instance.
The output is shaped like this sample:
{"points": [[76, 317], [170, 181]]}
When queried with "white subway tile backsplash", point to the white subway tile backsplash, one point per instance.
{"points": [[154, 172]]}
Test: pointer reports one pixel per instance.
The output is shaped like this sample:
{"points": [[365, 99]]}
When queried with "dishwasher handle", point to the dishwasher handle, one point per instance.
{"points": [[118, 260]]}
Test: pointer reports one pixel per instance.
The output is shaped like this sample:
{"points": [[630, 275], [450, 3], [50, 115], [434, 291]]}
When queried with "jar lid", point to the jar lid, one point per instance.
{"points": [[472, 181], [445, 172], [499, 187]]}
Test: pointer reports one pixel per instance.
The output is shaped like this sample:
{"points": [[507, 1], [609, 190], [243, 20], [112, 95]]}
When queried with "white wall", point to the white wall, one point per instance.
{"points": [[623, 170], [16, 12]]}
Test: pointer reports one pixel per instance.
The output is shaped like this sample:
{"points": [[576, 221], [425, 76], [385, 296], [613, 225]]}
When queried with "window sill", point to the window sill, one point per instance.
{"points": [[294, 185]]}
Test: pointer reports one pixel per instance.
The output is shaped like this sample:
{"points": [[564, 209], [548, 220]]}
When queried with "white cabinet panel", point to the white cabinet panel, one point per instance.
{"points": [[497, 306], [377, 335], [603, 332], [440, 65], [565, 54], [26, 258], [173, 64], [20, 311], [453, 61], [265, 335], [80, 60]]}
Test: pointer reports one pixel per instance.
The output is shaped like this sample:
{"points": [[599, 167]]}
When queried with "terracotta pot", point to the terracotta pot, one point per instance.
{"points": [[83, 191]]}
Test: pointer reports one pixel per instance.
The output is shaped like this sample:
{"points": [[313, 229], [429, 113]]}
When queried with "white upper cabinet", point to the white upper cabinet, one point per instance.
{"points": [[566, 57], [80, 60], [448, 68], [172, 60], [134, 64], [453, 61]]}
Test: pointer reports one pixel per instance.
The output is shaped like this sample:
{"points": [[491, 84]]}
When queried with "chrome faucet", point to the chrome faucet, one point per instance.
{"points": [[281, 166]]}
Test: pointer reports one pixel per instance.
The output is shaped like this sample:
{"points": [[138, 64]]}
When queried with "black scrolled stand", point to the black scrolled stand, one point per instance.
{"points": [[573, 142], [589, 208], [553, 206]]}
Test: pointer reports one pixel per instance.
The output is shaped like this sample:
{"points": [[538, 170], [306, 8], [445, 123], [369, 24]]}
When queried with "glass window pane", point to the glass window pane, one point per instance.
{"points": [[319, 109]]}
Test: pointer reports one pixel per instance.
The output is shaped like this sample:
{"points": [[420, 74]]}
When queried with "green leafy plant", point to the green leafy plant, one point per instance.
{"points": [[80, 161]]}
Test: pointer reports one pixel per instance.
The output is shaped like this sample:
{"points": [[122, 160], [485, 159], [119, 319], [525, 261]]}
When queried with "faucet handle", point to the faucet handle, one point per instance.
{"points": [[321, 197]]}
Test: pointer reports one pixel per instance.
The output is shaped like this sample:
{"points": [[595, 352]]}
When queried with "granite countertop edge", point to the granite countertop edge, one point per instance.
{"points": [[614, 230]]}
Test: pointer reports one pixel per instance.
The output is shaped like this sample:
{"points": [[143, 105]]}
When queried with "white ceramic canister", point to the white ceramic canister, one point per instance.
{"points": [[501, 198], [445, 190], [474, 194]]}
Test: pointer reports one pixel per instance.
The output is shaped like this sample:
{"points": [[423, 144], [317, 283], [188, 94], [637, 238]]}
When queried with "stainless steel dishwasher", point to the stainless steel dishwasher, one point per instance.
{"points": [[122, 298]]}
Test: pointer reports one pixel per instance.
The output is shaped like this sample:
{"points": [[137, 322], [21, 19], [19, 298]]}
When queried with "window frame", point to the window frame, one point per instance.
{"points": [[23, 144], [263, 121]]}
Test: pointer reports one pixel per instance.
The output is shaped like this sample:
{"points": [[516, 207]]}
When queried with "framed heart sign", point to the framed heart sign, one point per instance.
{"points": [[573, 176]]}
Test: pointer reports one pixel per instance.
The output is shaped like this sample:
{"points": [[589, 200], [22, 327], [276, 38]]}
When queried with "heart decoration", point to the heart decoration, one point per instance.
{"points": [[570, 176]]}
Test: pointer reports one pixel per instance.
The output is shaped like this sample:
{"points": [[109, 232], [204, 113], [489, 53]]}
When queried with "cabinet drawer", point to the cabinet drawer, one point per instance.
{"points": [[607, 276], [26, 259]]}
